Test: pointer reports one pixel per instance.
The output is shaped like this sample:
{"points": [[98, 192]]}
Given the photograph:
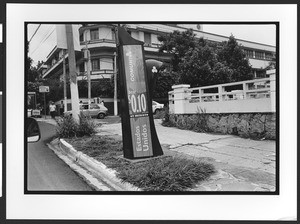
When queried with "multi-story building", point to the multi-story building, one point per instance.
{"points": [[100, 40]]}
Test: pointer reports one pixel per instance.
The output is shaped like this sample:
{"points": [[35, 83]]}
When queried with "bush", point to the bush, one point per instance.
{"points": [[68, 128], [166, 118], [160, 114], [166, 174], [86, 126]]}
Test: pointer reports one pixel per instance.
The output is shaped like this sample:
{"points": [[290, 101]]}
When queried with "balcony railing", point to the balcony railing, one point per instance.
{"points": [[97, 41]]}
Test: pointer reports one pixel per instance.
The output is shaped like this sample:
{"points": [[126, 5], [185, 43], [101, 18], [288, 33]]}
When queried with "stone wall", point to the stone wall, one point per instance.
{"points": [[247, 125]]}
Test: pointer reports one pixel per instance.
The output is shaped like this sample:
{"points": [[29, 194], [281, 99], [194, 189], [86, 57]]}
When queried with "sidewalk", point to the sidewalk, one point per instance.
{"points": [[241, 164]]}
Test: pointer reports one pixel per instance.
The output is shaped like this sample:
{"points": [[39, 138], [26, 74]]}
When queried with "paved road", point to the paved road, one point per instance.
{"points": [[46, 172]]}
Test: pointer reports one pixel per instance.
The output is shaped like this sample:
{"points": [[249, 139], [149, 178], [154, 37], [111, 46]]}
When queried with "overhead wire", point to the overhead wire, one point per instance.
{"points": [[35, 32], [46, 37]]}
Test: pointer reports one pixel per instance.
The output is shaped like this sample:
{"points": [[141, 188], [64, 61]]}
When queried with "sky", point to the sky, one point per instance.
{"points": [[264, 34], [44, 39]]}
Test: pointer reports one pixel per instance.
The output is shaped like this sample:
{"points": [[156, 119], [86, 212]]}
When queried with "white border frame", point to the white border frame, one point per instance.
{"points": [[190, 207], [1, 106]]}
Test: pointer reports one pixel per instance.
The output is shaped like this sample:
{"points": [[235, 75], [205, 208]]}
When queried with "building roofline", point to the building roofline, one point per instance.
{"points": [[219, 35]]}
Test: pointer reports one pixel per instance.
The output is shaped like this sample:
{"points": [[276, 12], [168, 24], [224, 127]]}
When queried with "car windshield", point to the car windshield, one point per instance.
{"points": [[84, 107], [94, 106]]}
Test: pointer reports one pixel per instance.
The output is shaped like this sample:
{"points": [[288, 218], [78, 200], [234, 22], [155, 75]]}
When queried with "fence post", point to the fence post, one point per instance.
{"points": [[272, 74], [220, 92], [180, 94]]}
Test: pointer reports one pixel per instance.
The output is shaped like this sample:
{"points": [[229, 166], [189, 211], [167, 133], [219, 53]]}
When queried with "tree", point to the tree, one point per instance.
{"points": [[165, 79], [197, 66], [177, 43], [32, 72], [233, 57], [271, 65], [199, 62]]}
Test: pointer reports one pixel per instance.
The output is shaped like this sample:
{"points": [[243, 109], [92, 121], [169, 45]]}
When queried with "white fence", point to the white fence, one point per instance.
{"points": [[239, 97]]}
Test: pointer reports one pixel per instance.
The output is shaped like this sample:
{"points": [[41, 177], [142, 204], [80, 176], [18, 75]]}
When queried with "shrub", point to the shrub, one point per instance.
{"points": [[166, 119], [160, 114], [68, 128], [86, 126]]}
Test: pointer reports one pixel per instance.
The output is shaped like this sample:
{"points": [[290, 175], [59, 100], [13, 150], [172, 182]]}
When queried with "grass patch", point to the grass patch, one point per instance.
{"points": [[157, 174]]}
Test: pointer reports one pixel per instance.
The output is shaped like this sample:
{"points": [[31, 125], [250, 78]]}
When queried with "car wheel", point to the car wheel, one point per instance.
{"points": [[101, 116], [156, 111]]}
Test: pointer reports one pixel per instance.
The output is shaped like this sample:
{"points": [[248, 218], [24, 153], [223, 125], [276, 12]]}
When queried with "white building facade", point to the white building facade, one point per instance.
{"points": [[101, 41]]}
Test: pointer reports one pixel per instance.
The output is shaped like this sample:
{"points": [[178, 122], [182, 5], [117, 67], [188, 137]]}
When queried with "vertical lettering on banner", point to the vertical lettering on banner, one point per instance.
{"points": [[137, 101]]}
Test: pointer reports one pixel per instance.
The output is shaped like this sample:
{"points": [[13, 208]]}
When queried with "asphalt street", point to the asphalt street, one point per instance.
{"points": [[45, 171]]}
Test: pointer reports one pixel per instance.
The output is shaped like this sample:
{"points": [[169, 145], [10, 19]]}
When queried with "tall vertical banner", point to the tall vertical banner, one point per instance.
{"points": [[139, 135]]}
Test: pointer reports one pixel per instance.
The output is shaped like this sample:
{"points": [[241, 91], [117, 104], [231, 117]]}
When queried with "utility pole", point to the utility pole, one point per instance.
{"points": [[115, 74], [65, 82], [88, 68], [72, 72]]}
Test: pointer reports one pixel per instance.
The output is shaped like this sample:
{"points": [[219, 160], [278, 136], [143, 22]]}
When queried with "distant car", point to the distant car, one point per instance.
{"points": [[156, 107], [92, 110], [34, 113]]}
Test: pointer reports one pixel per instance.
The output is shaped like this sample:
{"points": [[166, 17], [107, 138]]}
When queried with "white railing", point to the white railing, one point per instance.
{"points": [[247, 96]]}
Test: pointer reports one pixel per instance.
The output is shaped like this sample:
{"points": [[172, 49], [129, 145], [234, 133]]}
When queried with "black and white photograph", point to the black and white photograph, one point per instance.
{"points": [[152, 107], [123, 107]]}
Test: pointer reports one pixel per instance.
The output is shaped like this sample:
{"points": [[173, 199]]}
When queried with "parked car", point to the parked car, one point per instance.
{"points": [[156, 107], [92, 110]]}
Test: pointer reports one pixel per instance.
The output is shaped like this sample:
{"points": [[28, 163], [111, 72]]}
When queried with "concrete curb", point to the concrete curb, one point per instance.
{"points": [[97, 168]]}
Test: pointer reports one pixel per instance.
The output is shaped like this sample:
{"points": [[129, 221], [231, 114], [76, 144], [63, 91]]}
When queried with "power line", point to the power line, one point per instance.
{"points": [[42, 42], [35, 32], [41, 39]]}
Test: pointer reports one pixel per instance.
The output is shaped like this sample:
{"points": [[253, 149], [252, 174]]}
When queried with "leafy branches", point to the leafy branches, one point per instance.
{"points": [[200, 62]]}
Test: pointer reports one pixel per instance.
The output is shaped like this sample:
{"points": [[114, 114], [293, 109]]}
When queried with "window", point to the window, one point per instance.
{"points": [[259, 54], [81, 37], [147, 39], [106, 63], [260, 74], [269, 56], [94, 34], [95, 64], [249, 53], [81, 67], [103, 63], [94, 106], [113, 34], [84, 107]]}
